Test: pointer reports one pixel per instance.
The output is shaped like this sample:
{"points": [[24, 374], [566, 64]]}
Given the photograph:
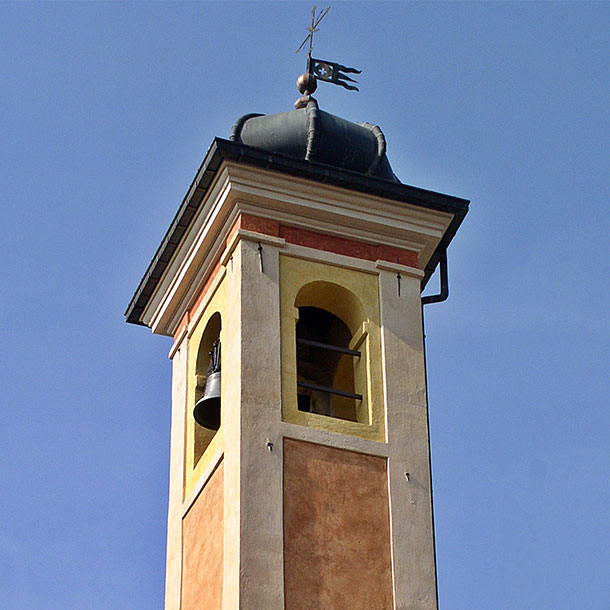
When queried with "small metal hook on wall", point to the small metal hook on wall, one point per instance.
{"points": [[260, 256], [398, 278]]}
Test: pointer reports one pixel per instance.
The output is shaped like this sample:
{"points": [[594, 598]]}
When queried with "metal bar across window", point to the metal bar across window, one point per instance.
{"points": [[334, 348], [321, 388]]}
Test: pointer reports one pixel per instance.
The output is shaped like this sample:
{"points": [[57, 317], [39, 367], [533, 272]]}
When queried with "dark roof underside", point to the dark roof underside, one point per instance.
{"points": [[224, 150]]}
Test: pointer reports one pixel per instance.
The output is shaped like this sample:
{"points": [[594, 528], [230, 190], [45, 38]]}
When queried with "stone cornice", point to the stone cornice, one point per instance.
{"points": [[239, 187]]}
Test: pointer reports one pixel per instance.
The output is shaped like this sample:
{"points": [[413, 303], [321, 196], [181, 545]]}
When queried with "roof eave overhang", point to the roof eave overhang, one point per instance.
{"points": [[224, 150]]}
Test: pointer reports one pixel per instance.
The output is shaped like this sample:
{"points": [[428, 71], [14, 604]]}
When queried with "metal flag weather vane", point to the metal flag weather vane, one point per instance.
{"points": [[327, 71]]}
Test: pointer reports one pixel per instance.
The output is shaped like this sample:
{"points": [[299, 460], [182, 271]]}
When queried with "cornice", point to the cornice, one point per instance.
{"points": [[230, 184], [335, 211]]}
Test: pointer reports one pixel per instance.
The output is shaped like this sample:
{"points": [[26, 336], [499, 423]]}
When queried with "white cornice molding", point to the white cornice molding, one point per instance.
{"points": [[297, 200], [329, 258], [292, 201], [398, 268], [251, 236], [197, 248], [177, 343]]}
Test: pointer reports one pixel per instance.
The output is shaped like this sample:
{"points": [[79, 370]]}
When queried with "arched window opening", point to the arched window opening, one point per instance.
{"points": [[208, 362], [325, 365], [331, 358]]}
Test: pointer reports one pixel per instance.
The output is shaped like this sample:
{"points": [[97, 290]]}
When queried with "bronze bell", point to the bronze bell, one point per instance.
{"points": [[207, 408]]}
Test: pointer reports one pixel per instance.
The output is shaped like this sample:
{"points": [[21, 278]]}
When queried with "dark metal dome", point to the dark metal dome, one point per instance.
{"points": [[314, 135]]}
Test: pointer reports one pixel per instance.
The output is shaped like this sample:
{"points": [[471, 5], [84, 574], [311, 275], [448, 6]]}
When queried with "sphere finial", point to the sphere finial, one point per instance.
{"points": [[307, 83]]}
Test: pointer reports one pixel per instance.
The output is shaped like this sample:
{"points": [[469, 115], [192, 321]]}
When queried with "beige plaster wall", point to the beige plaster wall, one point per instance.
{"points": [[230, 410], [261, 566], [176, 477], [336, 529], [407, 424]]}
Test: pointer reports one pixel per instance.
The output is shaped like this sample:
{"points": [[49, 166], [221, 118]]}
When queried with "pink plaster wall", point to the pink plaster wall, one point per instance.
{"points": [[336, 529], [202, 544]]}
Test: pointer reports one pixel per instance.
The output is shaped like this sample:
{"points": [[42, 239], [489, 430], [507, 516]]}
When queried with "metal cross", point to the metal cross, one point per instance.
{"points": [[313, 28]]}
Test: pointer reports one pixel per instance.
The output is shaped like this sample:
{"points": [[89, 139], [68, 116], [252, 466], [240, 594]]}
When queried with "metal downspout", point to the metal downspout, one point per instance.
{"points": [[444, 293], [434, 298], [423, 330]]}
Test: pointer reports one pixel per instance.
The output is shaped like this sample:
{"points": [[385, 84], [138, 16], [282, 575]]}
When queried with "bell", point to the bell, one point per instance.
{"points": [[207, 408]]}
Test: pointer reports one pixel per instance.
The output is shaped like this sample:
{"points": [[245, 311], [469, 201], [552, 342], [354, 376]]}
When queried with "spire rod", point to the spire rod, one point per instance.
{"points": [[321, 69], [315, 22]]}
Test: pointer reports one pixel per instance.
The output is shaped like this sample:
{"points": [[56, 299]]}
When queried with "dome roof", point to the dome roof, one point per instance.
{"points": [[314, 135]]}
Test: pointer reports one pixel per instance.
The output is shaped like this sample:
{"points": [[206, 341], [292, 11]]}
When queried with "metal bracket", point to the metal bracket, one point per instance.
{"points": [[260, 256]]}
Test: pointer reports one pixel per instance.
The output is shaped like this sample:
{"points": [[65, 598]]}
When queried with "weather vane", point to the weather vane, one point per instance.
{"points": [[314, 24], [321, 69]]}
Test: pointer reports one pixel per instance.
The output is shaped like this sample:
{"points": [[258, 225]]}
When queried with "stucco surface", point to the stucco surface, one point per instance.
{"points": [[336, 529], [202, 533], [329, 243], [257, 421], [405, 392], [348, 247], [176, 474]]}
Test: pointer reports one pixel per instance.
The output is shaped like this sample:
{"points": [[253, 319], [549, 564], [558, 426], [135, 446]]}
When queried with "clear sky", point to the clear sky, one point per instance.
{"points": [[106, 111]]}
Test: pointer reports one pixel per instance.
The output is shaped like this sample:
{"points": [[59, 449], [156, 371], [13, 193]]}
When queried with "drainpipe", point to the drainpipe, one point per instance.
{"points": [[433, 298], [444, 293]]}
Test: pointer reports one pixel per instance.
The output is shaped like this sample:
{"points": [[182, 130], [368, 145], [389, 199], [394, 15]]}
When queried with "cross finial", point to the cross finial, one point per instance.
{"points": [[312, 29]]}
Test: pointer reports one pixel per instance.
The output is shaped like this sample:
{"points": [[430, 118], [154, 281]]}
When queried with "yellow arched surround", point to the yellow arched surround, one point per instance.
{"points": [[200, 444], [353, 296], [211, 333]]}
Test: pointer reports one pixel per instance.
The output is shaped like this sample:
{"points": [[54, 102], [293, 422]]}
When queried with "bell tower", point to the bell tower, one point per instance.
{"points": [[291, 280]]}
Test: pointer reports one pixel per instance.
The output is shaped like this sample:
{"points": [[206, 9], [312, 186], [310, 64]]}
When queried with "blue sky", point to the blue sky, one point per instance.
{"points": [[107, 109]]}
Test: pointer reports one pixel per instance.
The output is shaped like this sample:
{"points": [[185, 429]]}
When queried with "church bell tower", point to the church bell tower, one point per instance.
{"points": [[291, 281]]}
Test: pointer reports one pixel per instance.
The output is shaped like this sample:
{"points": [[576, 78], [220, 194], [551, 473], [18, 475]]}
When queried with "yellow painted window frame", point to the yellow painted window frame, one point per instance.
{"points": [[298, 273], [192, 472]]}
